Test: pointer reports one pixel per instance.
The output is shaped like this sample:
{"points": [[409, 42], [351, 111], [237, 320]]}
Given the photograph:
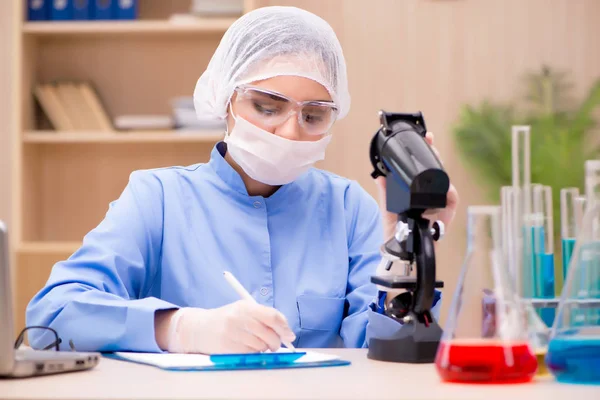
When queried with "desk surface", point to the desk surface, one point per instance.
{"points": [[364, 379]]}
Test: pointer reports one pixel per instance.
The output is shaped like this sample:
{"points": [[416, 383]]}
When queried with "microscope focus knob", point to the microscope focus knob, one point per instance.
{"points": [[437, 230], [402, 231]]}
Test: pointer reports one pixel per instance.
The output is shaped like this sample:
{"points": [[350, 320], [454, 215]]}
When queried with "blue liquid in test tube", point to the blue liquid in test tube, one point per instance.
{"points": [[543, 273], [568, 244], [543, 250]]}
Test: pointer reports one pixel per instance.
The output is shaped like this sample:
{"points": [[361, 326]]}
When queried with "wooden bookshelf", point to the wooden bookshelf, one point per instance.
{"points": [[45, 248], [123, 137], [166, 27], [64, 181]]}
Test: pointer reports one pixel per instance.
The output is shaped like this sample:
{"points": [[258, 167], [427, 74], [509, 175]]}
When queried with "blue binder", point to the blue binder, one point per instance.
{"points": [[38, 10], [104, 9], [221, 362], [82, 10], [62, 10], [126, 9]]}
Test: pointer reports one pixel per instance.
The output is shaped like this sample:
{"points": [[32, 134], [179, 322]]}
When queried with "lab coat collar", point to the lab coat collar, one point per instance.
{"points": [[231, 177]]}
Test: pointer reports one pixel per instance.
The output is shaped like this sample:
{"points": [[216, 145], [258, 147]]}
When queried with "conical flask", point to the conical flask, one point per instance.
{"points": [[486, 337], [574, 348]]}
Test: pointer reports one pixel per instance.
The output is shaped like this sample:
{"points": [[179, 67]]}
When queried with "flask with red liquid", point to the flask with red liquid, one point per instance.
{"points": [[486, 336]]}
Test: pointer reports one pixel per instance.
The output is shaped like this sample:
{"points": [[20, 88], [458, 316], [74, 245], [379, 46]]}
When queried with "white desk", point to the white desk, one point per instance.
{"points": [[364, 379]]}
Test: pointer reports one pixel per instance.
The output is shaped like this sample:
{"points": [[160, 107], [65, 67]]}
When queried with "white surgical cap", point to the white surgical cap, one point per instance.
{"points": [[268, 42]]}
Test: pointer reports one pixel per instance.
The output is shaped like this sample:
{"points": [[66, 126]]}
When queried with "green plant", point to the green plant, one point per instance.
{"points": [[563, 136]]}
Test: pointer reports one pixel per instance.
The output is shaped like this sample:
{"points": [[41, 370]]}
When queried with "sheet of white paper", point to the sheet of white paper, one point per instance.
{"points": [[170, 360]]}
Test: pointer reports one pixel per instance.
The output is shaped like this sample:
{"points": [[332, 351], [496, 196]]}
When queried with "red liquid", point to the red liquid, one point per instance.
{"points": [[485, 362]]}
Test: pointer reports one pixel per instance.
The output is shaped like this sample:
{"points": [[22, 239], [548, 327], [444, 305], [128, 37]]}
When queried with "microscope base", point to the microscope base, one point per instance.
{"points": [[415, 346]]}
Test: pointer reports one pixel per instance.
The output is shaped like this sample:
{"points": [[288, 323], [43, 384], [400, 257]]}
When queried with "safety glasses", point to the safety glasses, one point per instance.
{"points": [[271, 109]]}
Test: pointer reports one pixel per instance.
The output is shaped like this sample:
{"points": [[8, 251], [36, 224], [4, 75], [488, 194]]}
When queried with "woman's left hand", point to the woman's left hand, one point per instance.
{"points": [[445, 215]]}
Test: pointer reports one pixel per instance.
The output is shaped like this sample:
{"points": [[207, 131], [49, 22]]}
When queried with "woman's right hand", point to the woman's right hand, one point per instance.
{"points": [[240, 327]]}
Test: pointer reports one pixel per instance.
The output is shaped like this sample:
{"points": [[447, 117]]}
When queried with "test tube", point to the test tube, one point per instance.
{"points": [[532, 226], [568, 225], [592, 180], [592, 195], [521, 181], [579, 203], [543, 249], [521, 165], [508, 199]]}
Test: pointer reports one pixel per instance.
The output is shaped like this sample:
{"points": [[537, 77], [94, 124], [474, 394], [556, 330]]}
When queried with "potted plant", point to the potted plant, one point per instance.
{"points": [[564, 134]]}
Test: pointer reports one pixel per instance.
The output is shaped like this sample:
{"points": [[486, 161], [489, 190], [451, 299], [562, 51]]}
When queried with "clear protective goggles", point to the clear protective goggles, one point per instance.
{"points": [[271, 109]]}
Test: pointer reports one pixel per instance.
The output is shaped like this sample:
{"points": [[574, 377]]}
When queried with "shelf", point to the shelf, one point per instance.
{"points": [[123, 137], [213, 25], [48, 247]]}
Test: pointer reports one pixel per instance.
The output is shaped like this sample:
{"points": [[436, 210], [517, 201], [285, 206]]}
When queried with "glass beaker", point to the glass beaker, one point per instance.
{"points": [[574, 348], [486, 337]]}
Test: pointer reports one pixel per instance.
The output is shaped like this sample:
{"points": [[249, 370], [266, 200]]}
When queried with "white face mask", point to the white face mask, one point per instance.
{"points": [[269, 158]]}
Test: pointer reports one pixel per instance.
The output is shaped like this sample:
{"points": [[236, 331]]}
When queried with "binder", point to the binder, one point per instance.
{"points": [[224, 362], [104, 9], [126, 9], [38, 10], [62, 10], [82, 10]]}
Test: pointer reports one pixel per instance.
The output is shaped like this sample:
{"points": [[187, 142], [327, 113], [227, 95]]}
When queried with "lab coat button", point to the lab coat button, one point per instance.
{"points": [[257, 204], [264, 291]]}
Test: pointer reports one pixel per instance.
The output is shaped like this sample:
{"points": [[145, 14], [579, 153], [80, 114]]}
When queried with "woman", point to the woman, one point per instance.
{"points": [[302, 241]]}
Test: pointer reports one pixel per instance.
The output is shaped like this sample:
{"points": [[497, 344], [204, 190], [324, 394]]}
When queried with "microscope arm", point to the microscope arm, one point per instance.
{"points": [[425, 264]]}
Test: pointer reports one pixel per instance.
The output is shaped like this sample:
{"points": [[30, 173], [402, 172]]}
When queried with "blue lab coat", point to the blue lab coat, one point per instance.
{"points": [[308, 250]]}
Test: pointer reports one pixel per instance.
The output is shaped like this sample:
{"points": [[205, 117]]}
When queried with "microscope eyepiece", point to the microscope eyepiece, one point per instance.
{"points": [[399, 151]]}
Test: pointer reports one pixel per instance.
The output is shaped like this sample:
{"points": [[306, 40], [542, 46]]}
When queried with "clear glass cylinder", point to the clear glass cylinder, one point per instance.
{"points": [[509, 198], [543, 250], [592, 180], [568, 225], [486, 339], [532, 225]]}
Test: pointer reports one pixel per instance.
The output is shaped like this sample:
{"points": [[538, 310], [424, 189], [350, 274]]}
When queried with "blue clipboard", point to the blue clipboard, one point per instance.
{"points": [[252, 361]]}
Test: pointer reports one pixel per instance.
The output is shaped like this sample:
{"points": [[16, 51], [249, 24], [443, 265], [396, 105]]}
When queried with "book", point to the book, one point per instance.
{"points": [[72, 106], [53, 107]]}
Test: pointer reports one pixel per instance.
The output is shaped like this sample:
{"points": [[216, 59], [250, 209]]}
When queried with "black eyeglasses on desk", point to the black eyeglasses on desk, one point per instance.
{"points": [[51, 343]]}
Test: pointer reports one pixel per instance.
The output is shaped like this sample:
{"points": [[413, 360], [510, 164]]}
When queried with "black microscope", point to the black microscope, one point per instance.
{"points": [[416, 183]]}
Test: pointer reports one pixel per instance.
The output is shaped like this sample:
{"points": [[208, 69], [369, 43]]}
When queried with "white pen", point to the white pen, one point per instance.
{"points": [[237, 286]]}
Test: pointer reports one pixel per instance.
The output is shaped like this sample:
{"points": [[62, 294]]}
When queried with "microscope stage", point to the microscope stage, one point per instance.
{"points": [[399, 282]]}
